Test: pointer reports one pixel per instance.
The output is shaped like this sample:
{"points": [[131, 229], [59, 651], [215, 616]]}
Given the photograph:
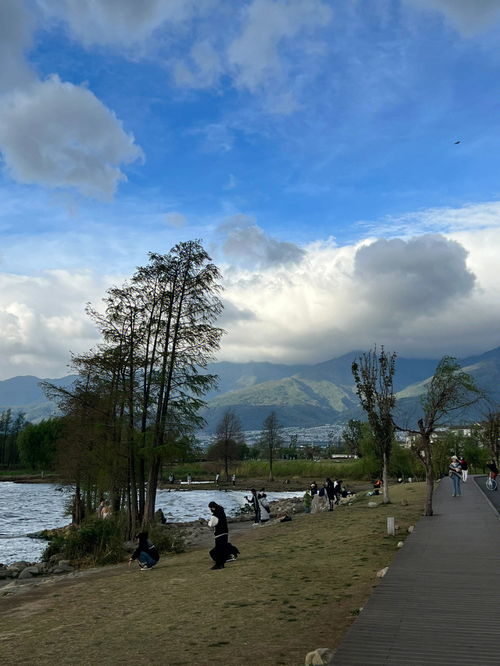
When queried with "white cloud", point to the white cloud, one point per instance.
{"points": [[244, 243], [263, 46], [398, 278], [16, 27], [268, 26], [216, 137], [176, 220], [418, 297], [42, 319], [60, 135], [484, 215], [118, 22], [469, 16], [203, 68]]}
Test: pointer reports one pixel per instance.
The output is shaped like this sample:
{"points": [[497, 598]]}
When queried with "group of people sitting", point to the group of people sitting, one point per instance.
{"points": [[325, 498]]}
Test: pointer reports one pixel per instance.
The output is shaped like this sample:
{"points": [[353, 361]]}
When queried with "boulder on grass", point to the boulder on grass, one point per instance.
{"points": [[29, 572], [319, 657]]}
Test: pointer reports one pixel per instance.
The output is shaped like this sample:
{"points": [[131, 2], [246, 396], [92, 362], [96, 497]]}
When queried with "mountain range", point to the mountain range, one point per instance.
{"points": [[301, 395]]}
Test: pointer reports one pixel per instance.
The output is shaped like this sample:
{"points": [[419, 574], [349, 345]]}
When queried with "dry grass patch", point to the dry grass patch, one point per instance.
{"points": [[295, 587]]}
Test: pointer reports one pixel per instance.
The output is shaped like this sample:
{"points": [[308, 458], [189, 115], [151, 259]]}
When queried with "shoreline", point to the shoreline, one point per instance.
{"points": [[243, 484], [195, 535]]}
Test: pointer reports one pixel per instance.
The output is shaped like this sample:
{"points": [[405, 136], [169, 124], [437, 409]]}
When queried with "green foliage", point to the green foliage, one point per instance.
{"points": [[95, 542], [476, 456], [165, 539], [38, 443], [404, 463], [362, 469], [449, 390], [10, 427], [352, 435]]}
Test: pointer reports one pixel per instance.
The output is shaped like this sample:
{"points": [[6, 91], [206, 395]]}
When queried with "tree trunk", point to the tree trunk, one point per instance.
{"points": [[154, 472], [385, 481], [429, 473]]}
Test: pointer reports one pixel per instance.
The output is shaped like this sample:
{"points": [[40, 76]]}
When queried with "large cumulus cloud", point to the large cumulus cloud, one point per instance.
{"points": [[398, 277], [417, 296], [42, 319], [422, 297]]}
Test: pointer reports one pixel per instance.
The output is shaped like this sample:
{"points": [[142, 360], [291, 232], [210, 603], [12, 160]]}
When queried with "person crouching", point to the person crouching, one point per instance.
{"points": [[146, 552], [218, 521]]}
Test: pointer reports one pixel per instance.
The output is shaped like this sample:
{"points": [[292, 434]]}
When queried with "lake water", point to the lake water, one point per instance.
{"points": [[31, 507]]}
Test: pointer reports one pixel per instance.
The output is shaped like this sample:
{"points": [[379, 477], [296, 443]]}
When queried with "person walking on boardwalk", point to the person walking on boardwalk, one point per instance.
{"points": [[218, 521], [255, 504], [464, 466], [455, 472], [492, 466]]}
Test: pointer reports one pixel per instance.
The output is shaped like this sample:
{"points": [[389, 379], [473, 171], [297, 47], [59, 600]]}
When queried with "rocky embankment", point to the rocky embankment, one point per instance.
{"points": [[27, 570]]}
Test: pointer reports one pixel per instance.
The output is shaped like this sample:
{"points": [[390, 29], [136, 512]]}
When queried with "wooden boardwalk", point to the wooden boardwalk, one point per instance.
{"points": [[439, 603]]}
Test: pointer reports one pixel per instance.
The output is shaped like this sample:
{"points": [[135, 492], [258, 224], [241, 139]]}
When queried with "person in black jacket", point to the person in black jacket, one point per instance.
{"points": [[218, 521], [146, 552], [255, 504], [330, 491]]}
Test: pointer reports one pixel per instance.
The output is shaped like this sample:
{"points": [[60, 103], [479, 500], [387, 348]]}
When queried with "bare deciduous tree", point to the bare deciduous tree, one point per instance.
{"points": [[373, 377]]}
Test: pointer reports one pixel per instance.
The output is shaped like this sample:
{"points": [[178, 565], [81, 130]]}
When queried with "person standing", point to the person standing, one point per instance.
{"points": [[233, 479], [218, 521], [255, 504], [265, 509], [464, 466], [307, 499], [455, 472], [315, 498], [492, 466], [330, 491]]}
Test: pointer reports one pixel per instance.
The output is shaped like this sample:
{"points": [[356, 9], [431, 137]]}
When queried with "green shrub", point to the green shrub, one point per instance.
{"points": [[95, 542], [166, 539], [98, 542]]}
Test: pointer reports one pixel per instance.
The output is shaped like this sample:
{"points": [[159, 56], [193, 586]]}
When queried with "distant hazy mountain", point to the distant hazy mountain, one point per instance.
{"points": [[301, 395], [24, 394], [324, 392]]}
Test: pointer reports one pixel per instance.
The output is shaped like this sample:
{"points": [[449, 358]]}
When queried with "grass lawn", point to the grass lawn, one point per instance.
{"points": [[296, 586]]}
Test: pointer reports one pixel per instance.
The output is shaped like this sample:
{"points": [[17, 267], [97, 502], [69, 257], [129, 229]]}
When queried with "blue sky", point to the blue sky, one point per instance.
{"points": [[310, 144]]}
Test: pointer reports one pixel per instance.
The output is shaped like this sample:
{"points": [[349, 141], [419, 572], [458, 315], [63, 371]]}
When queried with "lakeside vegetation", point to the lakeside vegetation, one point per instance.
{"points": [[296, 586]]}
